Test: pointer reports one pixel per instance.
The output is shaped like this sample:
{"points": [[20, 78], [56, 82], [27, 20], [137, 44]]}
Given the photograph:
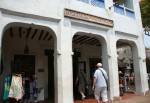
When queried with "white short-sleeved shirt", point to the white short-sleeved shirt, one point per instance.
{"points": [[100, 80]]}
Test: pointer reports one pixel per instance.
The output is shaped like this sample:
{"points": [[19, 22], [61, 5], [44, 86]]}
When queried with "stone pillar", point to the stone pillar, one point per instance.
{"points": [[1, 33], [141, 82], [0, 38], [144, 73], [141, 79], [64, 92], [107, 67], [112, 65], [136, 60]]}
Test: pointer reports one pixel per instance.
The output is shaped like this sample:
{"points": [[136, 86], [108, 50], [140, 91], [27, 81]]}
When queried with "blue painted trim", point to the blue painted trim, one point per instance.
{"points": [[130, 13], [98, 3], [85, 1], [119, 9]]}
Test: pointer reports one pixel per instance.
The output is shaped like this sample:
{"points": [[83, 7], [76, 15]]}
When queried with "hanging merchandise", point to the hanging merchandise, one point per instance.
{"points": [[16, 88], [7, 81]]}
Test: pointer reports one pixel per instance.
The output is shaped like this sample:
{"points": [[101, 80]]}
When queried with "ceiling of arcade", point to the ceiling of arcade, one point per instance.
{"points": [[29, 33], [46, 36], [42, 35], [124, 43], [84, 39]]}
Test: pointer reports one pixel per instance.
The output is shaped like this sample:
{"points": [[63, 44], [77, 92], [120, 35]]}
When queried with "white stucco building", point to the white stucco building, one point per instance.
{"points": [[51, 38]]}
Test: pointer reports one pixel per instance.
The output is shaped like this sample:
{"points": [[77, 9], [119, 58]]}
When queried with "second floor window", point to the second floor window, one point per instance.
{"points": [[126, 3], [97, 3], [124, 7]]}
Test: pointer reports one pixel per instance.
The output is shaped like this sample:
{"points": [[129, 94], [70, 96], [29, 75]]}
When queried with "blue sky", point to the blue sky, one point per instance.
{"points": [[147, 41]]}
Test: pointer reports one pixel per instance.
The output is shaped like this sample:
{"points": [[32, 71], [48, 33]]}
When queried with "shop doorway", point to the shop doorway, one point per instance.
{"points": [[24, 49], [126, 68], [87, 50]]}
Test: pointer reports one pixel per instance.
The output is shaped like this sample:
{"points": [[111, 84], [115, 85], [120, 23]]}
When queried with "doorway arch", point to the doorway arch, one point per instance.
{"points": [[128, 66], [89, 49], [35, 43]]}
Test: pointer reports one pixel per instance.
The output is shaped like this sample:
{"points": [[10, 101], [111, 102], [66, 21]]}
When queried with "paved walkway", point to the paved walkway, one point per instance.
{"points": [[136, 99], [128, 98]]}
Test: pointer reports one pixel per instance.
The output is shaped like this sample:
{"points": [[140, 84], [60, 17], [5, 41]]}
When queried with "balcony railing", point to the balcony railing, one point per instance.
{"points": [[97, 3], [120, 9]]}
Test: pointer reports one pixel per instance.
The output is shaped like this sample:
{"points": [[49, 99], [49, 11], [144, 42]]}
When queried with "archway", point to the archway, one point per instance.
{"points": [[28, 49], [89, 49], [127, 66]]}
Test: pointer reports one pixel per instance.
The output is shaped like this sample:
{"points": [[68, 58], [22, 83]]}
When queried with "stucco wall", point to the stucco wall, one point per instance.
{"points": [[44, 8], [54, 9]]}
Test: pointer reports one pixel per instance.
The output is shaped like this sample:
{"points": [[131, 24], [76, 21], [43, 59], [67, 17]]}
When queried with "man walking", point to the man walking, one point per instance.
{"points": [[100, 84]]}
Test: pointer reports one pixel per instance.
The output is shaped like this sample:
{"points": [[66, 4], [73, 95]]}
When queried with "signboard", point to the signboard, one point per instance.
{"points": [[87, 17]]}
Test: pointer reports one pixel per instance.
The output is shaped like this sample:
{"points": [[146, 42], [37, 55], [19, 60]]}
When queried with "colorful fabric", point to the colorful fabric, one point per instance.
{"points": [[7, 81], [16, 88]]}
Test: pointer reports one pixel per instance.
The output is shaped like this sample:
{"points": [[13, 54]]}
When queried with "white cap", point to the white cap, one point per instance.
{"points": [[99, 65]]}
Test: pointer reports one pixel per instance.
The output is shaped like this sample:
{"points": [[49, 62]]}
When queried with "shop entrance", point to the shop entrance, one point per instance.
{"points": [[87, 50], [28, 51], [126, 70]]}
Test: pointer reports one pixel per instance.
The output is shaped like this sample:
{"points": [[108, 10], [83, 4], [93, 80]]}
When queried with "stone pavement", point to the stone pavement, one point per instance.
{"points": [[127, 98], [135, 99]]}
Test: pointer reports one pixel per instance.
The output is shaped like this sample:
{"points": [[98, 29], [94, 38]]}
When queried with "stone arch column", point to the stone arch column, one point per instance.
{"points": [[143, 63], [137, 70], [112, 64], [0, 66], [141, 81], [64, 63]]}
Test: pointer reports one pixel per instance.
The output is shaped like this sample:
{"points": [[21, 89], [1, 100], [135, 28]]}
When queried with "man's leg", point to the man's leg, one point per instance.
{"points": [[98, 101], [97, 94], [83, 95], [104, 95]]}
